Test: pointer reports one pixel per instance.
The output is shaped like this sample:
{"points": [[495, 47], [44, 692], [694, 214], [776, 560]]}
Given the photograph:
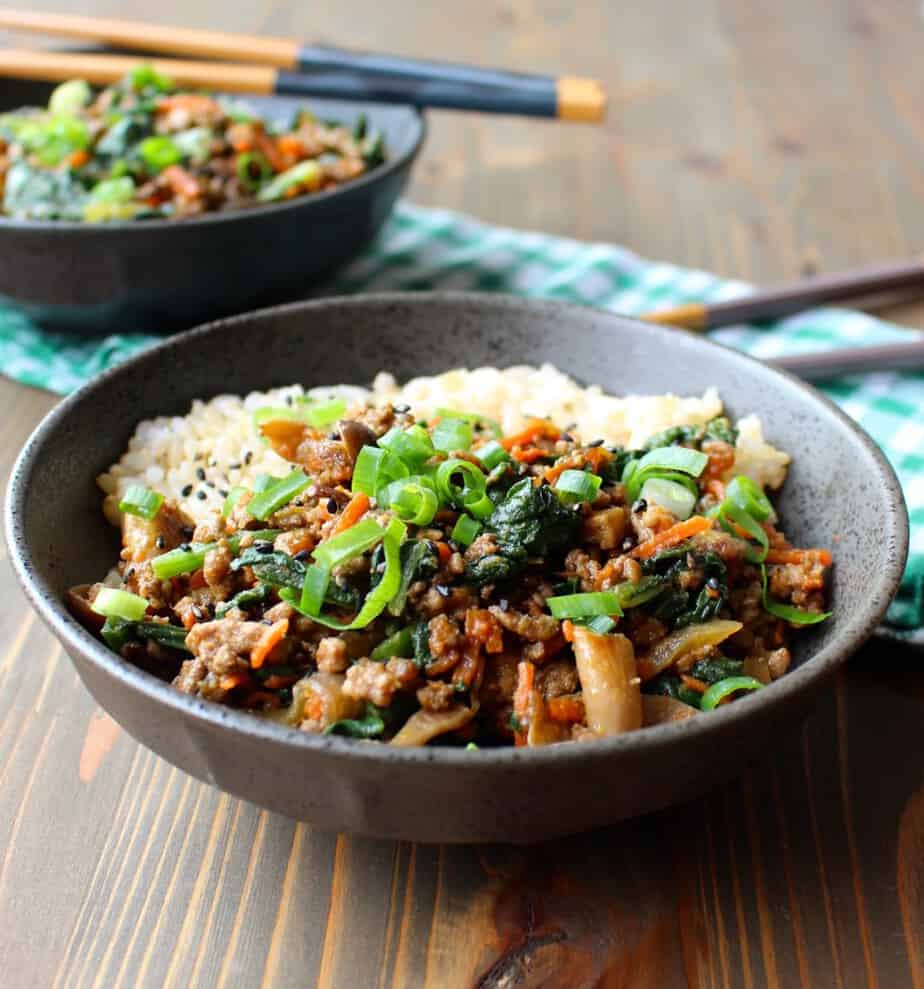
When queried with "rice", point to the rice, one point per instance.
{"points": [[196, 459]]}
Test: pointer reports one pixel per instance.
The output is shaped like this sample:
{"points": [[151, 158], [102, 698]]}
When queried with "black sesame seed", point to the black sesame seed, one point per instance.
{"points": [[248, 456], [289, 400], [200, 473], [332, 505], [334, 435], [160, 542], [129, 573], [187, 491], [210, 484], [263, 546], [266, 621], [640, 506], [401, 408], [223, 492], [185, 547], [442, 590], [201, 495], [302, 555], [595, 443], [213, 462], [199, 456], [234, 466]]}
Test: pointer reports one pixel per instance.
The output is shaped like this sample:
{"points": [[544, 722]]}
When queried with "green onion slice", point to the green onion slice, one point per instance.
{"points": [[475, 418], [585, 605], [320, 414], [633, 595], [253, 170], [465, 530], [115, 603], [399, 644], [158, 152], [375, 468], [357, 539], [574, 486], [181, 561], [262, 505], [749, 497], [789, 613], [412, 499], [376, 600], [141, 501], [725, 688], [675, 459], [413, 445], [601, 624], [731, 515], [491, 454], [263, 482], [463, 485], [452, 434], [672, 495]]}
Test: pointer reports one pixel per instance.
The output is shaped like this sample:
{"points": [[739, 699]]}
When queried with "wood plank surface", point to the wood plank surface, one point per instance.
{"points": [[751, 139]]}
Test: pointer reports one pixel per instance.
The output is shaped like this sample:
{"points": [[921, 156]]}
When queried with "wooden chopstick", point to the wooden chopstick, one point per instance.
{"points": [[356, 75], [785, 300], [855, 360]]}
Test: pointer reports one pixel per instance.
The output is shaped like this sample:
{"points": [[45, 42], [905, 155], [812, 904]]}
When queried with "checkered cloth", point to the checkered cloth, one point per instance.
{"points": [[435, 249]]}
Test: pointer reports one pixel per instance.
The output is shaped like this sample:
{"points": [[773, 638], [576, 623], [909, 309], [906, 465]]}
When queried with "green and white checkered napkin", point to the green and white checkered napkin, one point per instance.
{"points": [[434, 249]]}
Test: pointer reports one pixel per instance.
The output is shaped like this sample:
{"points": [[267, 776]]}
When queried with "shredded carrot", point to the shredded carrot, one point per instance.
{"points": [[181, 182], [290, 147], [526, 675], [534, 429], [443, 552], [274, 634], [799, 556], [568, 710], [567, 630], [530, 455], [693, 683], [78, 158], [233, 680], [670, 537], [355, 510]]}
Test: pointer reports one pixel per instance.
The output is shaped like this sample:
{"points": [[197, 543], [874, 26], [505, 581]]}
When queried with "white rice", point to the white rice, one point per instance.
{"points": [[195, 459]]}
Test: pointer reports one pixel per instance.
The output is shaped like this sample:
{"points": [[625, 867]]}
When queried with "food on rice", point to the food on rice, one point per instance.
{"points": [[483, 557]]}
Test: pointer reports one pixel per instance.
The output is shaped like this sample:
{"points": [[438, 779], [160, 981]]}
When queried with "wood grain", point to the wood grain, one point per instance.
{"points": [[749, 139]]}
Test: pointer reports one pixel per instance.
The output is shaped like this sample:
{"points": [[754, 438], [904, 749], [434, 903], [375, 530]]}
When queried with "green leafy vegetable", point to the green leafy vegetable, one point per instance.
{"points": [[248, 598], [789, 613], [725, 688]]}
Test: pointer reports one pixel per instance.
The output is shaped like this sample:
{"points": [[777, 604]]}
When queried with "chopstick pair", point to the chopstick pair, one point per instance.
{"points": [[284, 66], [875, 281]]}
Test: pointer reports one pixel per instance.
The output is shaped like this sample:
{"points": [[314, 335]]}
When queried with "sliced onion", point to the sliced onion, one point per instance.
{"points": [[423, 726], [665, 653], [658, 709], [609, 681]]}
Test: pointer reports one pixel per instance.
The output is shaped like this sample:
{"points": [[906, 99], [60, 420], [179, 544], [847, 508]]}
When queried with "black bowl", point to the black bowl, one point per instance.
{"points": [[840, 493], [159, 276]]}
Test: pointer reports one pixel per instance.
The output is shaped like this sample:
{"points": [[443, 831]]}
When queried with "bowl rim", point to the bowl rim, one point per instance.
{"points": [[775, 696], [133, 227]]}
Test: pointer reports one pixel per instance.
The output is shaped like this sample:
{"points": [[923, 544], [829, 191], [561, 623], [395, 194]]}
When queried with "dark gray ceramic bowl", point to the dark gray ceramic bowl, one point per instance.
{"points": [[840, 493], [159, 276]]}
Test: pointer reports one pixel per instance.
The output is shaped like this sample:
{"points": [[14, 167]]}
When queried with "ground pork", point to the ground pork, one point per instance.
{"points": [[378, 682]]}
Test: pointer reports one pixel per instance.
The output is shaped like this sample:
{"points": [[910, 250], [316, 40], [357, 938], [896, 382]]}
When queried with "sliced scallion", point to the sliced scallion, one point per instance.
{"points": [[181, 561], [262, 505], [412, 499], [601, 624], [115, 603], [749, 497], [452, 434], [158, 152], [320, 414], [674, 459], [491, 454], [463, 485], [465, 530], [141, 501], [413, 445], [399, 644], [357, 539], [375, 468], [575, 486], [253, 170], [725, 688], [232, 498], [736, 520], [585, 605], [475, 418], [672, 495]]}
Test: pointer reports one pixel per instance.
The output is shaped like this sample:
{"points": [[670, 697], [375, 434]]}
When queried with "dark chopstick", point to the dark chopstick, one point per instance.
{"points": [[328, 71], [855, 360], [786, 300]]}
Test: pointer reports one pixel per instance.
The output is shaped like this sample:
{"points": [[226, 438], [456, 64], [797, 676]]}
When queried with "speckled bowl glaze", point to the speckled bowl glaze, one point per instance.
{"points": [[840, 493], [160, 276]]}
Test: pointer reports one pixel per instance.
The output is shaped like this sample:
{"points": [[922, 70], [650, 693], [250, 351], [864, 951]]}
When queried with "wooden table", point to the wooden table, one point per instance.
{"points": [[752, 139]]}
